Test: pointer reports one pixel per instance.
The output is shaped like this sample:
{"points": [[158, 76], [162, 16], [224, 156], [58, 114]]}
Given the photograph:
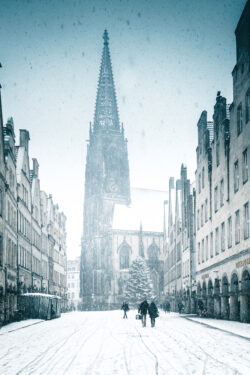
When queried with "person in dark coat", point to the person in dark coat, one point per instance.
{"points": [[180, 307], [200, 307], [153, 313], [166, 306], [143, 309], [125, 308]]}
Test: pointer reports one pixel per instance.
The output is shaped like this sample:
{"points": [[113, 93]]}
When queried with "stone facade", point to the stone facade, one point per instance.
{"points": [[179, 244], [73, 283], [10, 221], [106, 184], [56, 227], [108, 251], [2, 219], [127, 246], [32, 230], [223, 192]]}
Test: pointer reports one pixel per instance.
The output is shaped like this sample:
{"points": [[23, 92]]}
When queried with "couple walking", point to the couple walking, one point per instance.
{"points": [[145, 308]]}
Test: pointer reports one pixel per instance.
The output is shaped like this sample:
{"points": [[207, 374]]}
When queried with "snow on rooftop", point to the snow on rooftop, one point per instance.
{"points": [[146, 208]]}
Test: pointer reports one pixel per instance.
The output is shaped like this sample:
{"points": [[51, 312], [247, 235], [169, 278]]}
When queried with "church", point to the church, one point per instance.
{"points": [[120, 223]]}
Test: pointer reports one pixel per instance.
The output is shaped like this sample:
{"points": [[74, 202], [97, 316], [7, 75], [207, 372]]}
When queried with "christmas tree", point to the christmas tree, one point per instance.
{"points": [[139, 285]]}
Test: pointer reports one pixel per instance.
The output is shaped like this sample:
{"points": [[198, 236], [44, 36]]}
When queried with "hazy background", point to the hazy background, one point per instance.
{"points": [[169, 59]]}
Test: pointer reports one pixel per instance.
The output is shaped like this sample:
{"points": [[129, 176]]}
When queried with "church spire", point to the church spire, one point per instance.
{"points": [[106, 112]]}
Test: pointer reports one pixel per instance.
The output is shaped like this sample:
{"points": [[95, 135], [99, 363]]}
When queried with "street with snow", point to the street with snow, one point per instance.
{"points": [[103, 343]]}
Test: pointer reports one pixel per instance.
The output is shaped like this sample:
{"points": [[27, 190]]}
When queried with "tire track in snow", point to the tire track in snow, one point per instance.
{"points": [[123, 350], [207, 355], [41, 355], [59, 358], [54, 348], [95, 361], [63, 358], [216, 328], [82, 345], [150, 351]]}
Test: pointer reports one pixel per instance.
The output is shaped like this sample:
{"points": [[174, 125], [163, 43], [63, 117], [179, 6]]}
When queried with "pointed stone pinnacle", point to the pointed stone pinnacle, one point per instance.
{"points": [[106, 37]]}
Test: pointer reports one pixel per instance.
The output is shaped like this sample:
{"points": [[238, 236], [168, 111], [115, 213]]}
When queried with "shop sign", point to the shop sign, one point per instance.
{"points": [[205, 276], [243, 263]]}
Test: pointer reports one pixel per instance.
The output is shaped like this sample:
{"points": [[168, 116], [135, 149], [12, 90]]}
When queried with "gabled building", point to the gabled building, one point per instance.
{"points": [[223, 193], [179, 246], [57, 259], [10, 221], [44, 243], [36, 228], [2, 219], [73, 283], [24, 213]]}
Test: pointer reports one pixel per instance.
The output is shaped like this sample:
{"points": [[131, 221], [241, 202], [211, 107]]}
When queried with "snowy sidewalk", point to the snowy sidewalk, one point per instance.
{"points": [[19, 325], [236, 328]]}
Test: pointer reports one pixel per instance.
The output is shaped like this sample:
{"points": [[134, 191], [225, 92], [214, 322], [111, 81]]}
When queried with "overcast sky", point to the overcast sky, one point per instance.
{"points": [[169, 60]]}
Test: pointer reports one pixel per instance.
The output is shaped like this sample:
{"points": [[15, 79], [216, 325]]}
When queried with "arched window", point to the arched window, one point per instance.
{"points": [[153, 252], [124, 257]]}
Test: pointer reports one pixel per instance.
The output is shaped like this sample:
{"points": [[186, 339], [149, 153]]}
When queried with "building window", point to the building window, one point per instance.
{"points": [[237, 226], [239, 119], [206, 210], [202, 214], [216, 198], [199, 252], [1, 250], [218, 153], [222, 192], [1, 203], [202, 251], [206, 247], [244, 166], [236, 176], [203, 178], [223, 237], [211, 245], [216, 241], [124, 258], [246, 221], [199, 183], [229, 232], [248, 106], [198, 219]]}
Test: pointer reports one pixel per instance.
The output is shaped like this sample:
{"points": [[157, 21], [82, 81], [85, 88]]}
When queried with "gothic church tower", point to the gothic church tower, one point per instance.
{"points": [[106, 183]]}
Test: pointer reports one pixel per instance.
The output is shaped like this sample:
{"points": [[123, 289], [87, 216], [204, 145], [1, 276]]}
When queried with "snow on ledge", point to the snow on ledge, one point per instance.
{"points": [[40, 294]]}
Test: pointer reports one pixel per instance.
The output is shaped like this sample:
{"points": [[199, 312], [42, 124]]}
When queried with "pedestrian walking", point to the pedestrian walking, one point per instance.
{"points": [[143, 310], [125, 308], [200, 307], [166, 306], [180, 307], [153, 313]]}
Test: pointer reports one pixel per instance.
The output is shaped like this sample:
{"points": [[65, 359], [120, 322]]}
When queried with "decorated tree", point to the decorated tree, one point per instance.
{"points": [[139, 285]]}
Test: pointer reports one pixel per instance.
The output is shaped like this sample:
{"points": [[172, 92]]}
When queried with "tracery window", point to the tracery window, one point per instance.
{"points": [[124, 257]]}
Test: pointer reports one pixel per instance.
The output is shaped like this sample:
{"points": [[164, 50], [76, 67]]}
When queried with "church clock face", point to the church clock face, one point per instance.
{"points": [[112, 187]]}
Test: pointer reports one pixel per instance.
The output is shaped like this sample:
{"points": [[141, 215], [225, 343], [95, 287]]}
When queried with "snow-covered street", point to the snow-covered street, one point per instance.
{"points": [[103, 343]]}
